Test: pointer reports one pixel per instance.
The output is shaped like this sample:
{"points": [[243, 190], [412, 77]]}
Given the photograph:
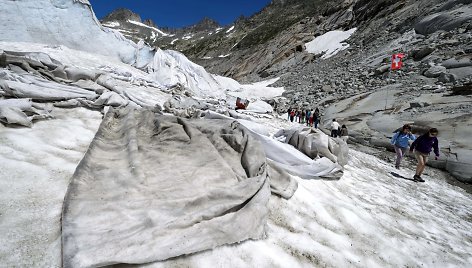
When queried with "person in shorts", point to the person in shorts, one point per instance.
{"points": [[422, 147]]}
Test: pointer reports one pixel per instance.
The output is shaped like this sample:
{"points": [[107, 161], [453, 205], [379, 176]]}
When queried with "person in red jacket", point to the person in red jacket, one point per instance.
{"points": [[423, 146]]}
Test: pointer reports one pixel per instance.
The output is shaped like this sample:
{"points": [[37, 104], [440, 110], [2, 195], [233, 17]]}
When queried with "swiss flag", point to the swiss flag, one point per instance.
{"points": [[397, 61]]}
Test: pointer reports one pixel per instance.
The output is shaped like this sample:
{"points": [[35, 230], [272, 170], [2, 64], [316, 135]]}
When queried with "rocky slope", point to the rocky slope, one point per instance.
{"points": [[433, 89], [132, 27]]}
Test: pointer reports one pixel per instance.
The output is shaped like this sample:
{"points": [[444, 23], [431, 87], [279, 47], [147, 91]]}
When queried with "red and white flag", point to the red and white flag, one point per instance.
{"points": [[397, 61]]}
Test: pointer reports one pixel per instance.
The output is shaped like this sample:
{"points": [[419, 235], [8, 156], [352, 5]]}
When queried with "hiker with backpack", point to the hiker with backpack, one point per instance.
{"points": [[422, 146], [400, 142]]}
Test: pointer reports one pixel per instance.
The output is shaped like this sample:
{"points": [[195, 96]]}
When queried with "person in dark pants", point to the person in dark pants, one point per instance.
{"points": [[316, 117], [400, 142], [308, 114], [335, 128], [292, 115], [422, 147]]}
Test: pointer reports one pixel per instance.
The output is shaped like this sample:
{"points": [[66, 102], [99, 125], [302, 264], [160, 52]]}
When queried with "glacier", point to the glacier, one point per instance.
{"points": [[62, 73]]}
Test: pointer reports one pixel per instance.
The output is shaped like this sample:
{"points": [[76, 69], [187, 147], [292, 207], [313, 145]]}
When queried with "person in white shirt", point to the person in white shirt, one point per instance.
{"points": [[334, 128]]}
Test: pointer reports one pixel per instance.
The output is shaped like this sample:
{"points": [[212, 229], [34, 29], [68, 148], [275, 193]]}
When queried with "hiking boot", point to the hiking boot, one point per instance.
{"points": [[397, 167], [418, 178]]}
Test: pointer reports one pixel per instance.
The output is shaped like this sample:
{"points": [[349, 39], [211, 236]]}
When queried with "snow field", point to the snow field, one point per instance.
{"points": [[366, 219], [35, 167]]}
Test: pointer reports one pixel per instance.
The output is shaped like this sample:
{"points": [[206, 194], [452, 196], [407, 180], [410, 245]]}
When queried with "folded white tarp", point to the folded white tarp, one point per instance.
{"points": [[304, 152], [156, 187], [22, 112]]}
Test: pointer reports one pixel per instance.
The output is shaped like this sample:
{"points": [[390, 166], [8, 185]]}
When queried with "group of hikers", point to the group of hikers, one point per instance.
{"points": [[309, 117], [421, 147]]}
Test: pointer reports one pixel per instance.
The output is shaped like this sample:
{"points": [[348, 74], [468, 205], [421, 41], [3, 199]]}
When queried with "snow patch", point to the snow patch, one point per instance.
{"points": [[111, 24], [147, 26], [329, 43], [187, 37], [230, 29]]}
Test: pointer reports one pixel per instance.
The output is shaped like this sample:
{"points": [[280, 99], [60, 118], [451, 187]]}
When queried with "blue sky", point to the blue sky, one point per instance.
{"points": [[179, 13]]}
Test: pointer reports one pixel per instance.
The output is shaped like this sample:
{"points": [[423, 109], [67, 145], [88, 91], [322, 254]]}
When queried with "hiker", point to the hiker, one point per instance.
{"points": [[303, 115], [292, 115], [334, 128], [423, 146], [400, 142], [288, 113], [311, 119], [307, 117], [316, 117], [343, 133]]}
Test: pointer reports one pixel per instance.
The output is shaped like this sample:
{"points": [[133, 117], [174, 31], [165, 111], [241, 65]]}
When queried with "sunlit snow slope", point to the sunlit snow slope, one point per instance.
{"points": [[366, 219]]}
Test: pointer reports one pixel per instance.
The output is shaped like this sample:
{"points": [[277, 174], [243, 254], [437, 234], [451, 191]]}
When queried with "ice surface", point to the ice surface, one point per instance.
{"points": [[35, 167], [46, 22], [173, 67], [368, 218]]}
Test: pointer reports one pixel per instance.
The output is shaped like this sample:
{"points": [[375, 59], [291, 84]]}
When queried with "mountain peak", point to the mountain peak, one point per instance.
{"points": [[122, 14], [150, 23], [205, 24]]}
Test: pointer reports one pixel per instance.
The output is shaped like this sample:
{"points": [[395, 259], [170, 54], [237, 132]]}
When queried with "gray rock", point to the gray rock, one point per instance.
{"points": [[382, 69], [415, 105], [435, 71], [462, 73], [447, 20], [420, 53], [456, 63], [447, 78]]}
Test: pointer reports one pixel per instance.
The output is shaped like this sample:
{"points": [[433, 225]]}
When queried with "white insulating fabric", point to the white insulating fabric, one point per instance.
{"points": [[154, 187]]}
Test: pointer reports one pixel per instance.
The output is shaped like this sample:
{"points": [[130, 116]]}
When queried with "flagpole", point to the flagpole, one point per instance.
{"points": [[396, 64], [388, 86]]}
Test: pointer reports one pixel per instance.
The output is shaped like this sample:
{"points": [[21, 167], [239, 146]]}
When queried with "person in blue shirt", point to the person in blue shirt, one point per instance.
{"points": [[401, 141]]}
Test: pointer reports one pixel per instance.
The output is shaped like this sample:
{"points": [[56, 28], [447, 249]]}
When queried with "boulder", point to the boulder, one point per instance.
{"points": [[382, 69], [456, 63], [447, 20], [462, 73], [435, 71], [420, 53], [447, 78], [465, 90]]}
